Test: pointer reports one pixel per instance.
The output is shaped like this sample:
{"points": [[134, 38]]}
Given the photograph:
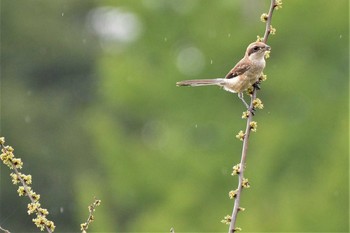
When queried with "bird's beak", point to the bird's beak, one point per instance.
{"points": [[267, 48]]}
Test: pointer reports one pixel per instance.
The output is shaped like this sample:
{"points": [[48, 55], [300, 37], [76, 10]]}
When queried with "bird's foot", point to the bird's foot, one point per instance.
{"points": [[257, 85]]}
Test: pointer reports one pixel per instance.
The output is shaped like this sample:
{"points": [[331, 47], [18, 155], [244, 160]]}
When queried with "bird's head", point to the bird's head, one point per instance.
{"points": [[256, 50]]}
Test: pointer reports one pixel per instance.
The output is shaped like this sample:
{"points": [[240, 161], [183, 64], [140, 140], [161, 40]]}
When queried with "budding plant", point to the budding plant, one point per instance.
{"points": [[24, 189], [251, 126]]}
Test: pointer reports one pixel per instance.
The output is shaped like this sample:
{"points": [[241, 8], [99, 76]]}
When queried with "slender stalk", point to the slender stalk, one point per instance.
{"points": [[241, 170], [4, 230], [235, 210], [268, 22], [84, 226], [25, 186]]}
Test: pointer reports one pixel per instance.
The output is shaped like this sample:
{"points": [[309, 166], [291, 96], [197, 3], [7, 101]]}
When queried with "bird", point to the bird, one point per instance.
{"points": [[242, 76]]}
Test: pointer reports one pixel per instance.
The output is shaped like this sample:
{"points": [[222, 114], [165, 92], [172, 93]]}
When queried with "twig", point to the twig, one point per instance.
{"points": [[84, 226], [238, 191], [4, 230], [15, 164], [268, 22]]}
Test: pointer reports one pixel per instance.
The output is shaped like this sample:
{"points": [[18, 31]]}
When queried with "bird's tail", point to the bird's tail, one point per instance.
{"points": [[201, 82]]}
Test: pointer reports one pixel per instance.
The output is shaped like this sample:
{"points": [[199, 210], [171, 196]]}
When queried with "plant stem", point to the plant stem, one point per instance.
{"points": [[247, 134]]}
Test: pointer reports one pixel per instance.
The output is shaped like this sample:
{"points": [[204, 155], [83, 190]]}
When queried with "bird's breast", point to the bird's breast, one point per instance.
{"points": [[253, 74]]}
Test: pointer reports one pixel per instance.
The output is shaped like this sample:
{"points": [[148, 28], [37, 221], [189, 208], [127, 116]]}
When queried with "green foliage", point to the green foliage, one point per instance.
{"points": [[94, 118]]}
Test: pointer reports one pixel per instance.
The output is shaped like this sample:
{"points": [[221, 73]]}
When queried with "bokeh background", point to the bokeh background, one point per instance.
{"points": [[89, 102]]}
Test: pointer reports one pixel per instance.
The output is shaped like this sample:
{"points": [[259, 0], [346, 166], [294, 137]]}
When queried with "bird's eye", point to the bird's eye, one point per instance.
{"points": [[256, 48]]}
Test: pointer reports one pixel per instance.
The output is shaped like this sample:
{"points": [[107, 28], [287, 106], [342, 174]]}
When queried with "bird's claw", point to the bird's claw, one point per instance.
{"points": [[257, 85]]}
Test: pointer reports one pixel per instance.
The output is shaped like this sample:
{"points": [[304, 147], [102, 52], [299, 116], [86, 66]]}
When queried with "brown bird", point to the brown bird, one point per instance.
{"points": [[243, 75]]}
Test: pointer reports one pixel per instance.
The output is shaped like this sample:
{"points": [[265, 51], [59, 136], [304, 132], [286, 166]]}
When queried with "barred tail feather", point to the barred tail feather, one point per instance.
{"points": [[201, 82]]}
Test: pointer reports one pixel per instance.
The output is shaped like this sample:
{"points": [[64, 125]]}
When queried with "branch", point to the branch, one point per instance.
{"points": [[269, 19], [4, 230], [15, 164], [84, 226], [242, 182]]}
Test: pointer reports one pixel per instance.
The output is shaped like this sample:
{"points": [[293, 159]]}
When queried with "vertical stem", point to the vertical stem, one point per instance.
{"points": [[242, 166], [247, 134], [268, 22]]}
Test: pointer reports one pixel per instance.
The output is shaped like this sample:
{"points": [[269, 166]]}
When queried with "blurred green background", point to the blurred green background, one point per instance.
{"points": [[89, 102]]}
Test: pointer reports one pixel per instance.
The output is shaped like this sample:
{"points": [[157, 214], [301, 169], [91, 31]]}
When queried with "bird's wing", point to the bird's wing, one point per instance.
{"points": [[239, 69]]}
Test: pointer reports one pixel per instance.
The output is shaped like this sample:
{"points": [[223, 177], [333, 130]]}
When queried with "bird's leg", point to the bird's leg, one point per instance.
{"points": [[252, 110], [240, 95]]}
